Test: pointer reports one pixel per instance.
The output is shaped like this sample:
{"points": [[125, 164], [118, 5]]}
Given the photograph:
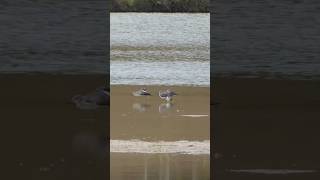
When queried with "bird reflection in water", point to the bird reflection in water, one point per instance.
{"points": [[169, 168], [164, 167], [165, 107], [140, 107]]}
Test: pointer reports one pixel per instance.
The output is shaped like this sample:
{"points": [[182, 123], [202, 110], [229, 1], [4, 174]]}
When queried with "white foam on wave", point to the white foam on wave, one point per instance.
{"points": [[272, 171], [159, 147]]}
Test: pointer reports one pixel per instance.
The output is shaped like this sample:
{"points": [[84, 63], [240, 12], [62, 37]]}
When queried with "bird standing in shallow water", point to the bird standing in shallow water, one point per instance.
{"points": [[166, 95]]}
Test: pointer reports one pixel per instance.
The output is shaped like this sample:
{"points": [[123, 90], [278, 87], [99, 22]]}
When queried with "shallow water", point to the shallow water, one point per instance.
{"points": [[160, 48]]}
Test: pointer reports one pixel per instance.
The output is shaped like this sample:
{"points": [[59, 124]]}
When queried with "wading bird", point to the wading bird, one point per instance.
{"points": [[166, 95], [141, 92]]}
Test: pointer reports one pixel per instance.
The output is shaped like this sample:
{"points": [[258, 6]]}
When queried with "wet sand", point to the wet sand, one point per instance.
{"points": [[154, 140], [265, 126], [46, 136]]}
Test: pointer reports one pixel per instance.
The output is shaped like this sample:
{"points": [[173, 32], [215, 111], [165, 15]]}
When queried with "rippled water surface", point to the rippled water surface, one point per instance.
{"points": [[160, 48]]}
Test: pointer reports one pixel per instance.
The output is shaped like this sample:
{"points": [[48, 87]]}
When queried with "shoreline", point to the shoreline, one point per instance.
{"points": [[159, 6], [159, 85]]}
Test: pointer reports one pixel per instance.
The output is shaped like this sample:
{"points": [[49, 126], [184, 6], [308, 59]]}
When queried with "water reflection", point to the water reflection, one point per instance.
{"points": [[160, 167], [140, 107], [165, 107]]}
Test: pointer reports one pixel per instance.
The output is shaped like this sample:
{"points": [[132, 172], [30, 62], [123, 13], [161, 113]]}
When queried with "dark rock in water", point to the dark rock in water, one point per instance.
{"points": [[100, 97]]}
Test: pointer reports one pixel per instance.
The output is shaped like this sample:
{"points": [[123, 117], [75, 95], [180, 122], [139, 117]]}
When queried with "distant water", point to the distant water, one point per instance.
{"points": [[50, 36], [160, 48], [268, 39]]}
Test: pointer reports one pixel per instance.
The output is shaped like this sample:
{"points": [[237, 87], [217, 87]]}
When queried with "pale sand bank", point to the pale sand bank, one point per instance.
{"points": [[160, 147]]}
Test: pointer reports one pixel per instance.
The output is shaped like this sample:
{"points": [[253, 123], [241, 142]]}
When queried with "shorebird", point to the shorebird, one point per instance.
{"points": [[166, 95], [141, 92]]}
